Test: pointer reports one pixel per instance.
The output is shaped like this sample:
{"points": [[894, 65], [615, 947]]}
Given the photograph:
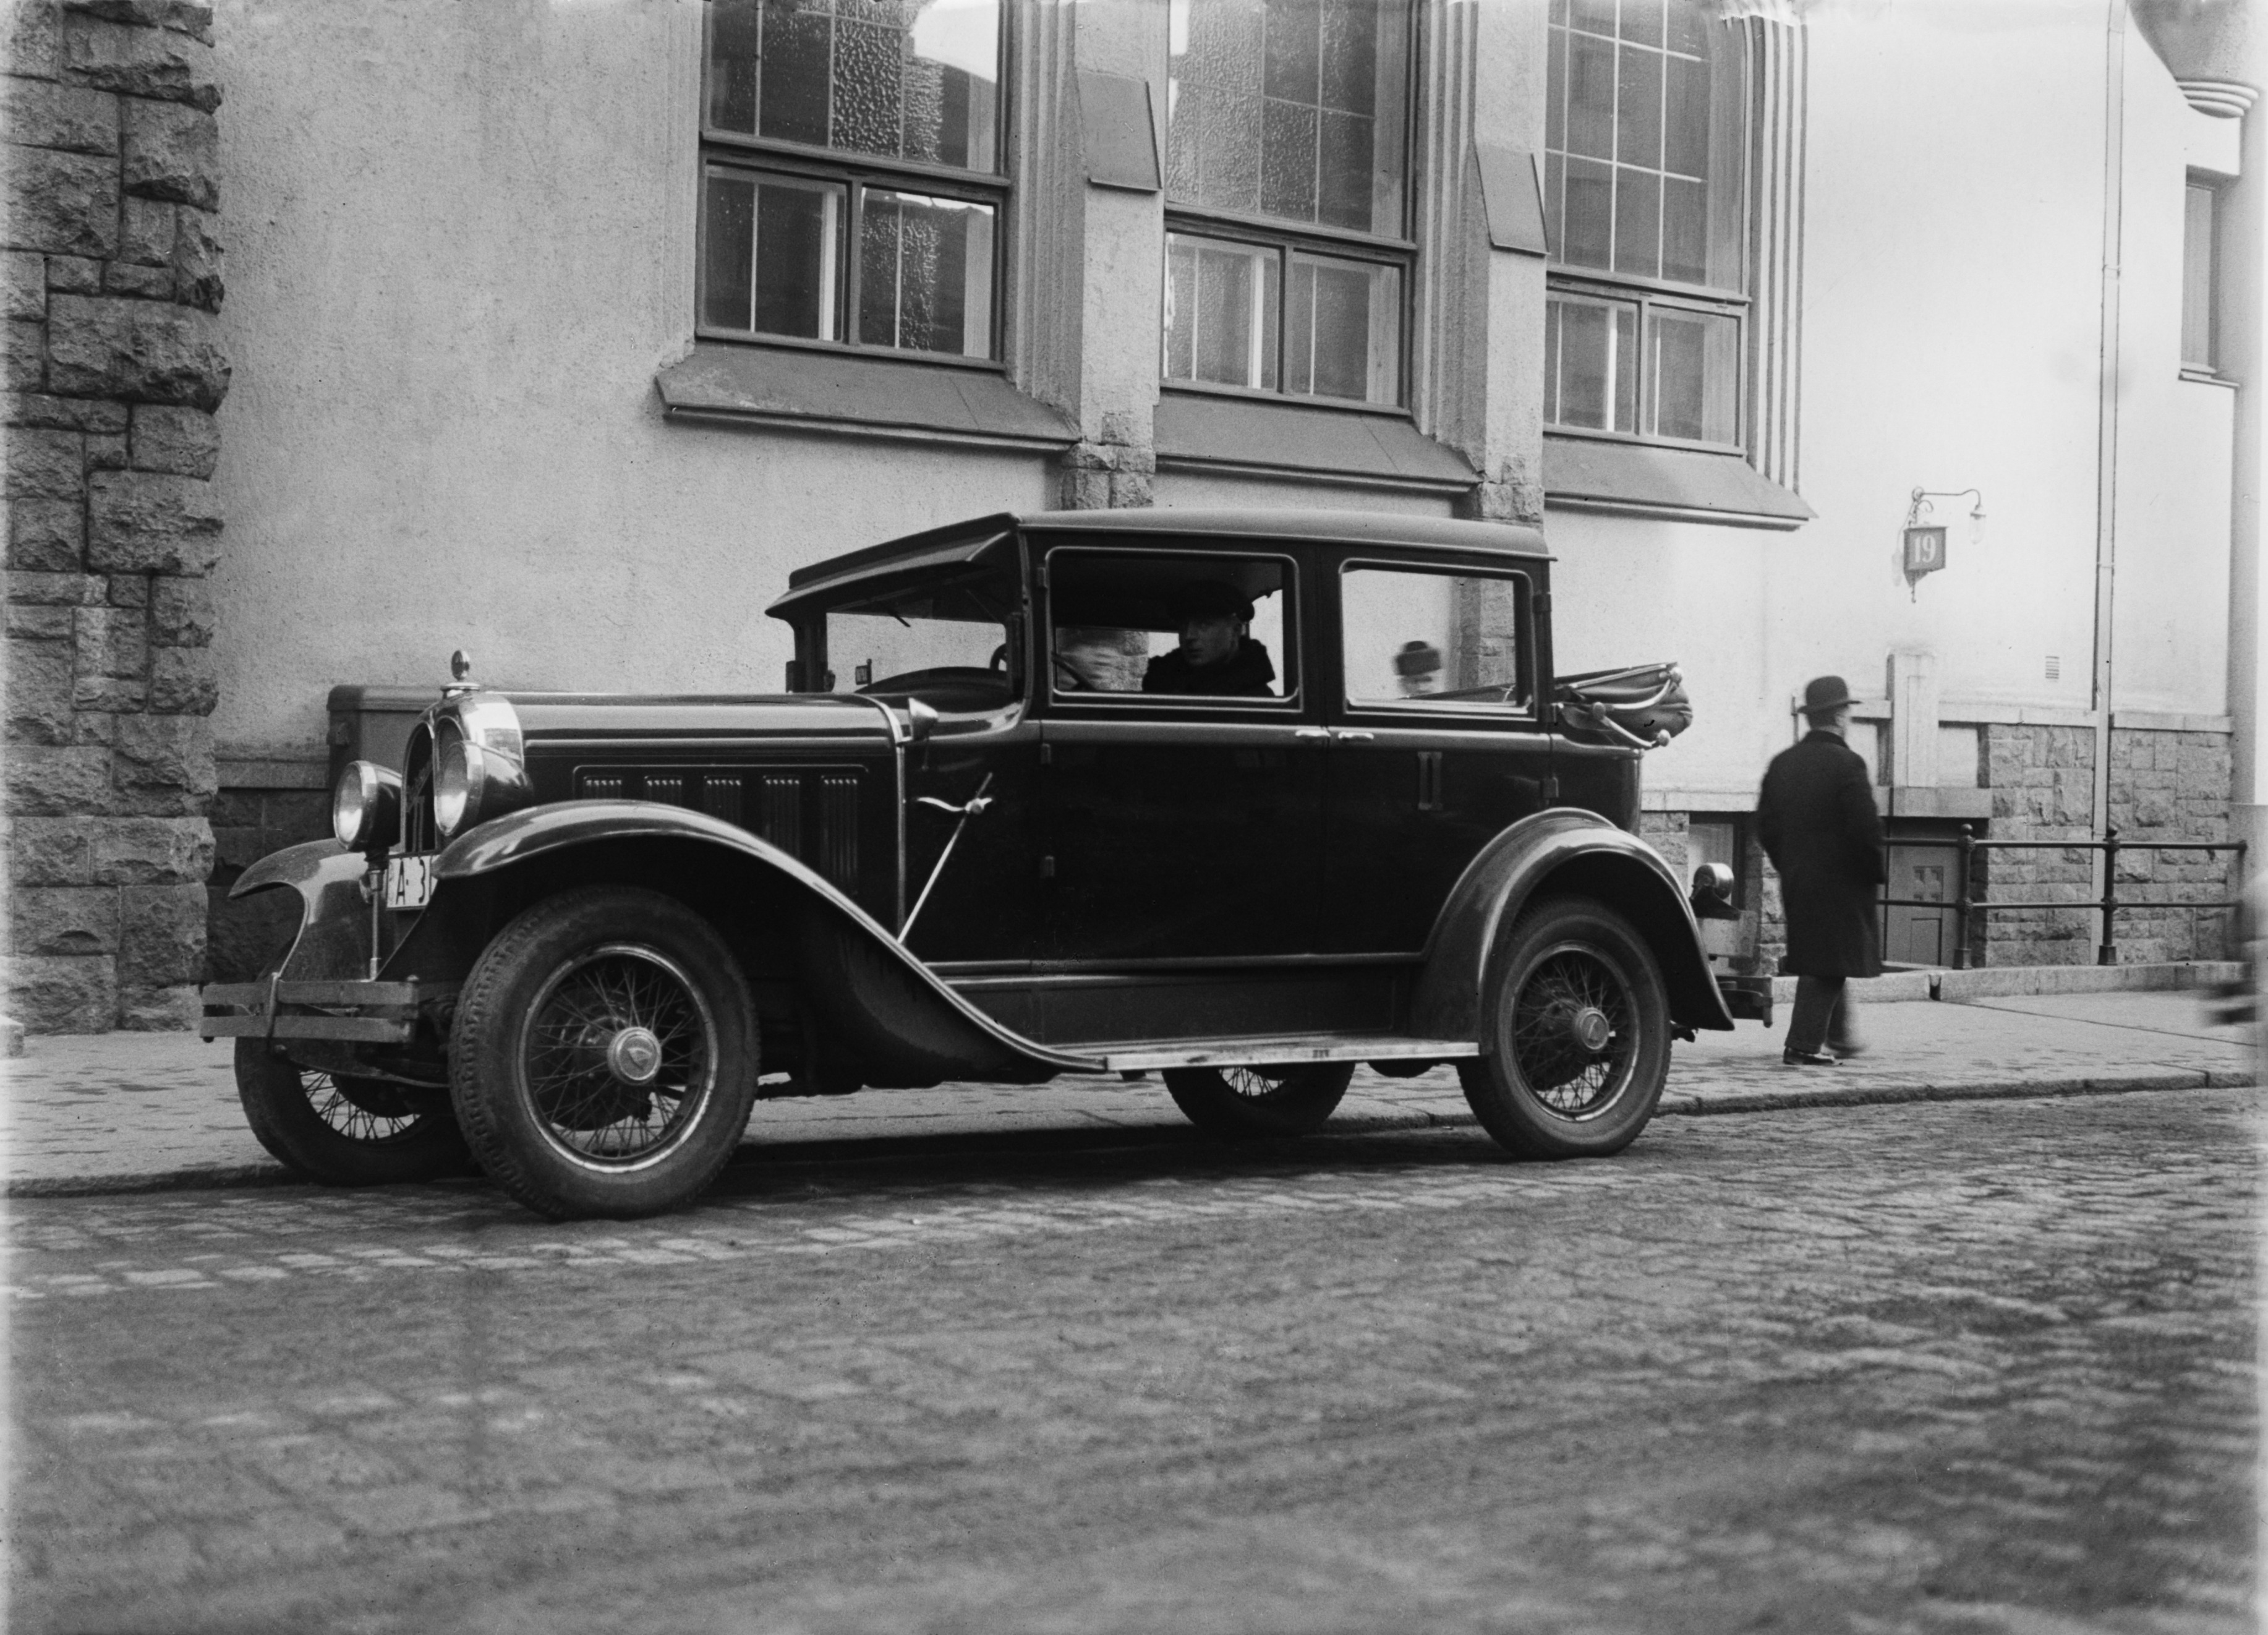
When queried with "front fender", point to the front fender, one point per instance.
{"points": [[907, 1025], [333, 939], [301, 867], [1578, 853]]}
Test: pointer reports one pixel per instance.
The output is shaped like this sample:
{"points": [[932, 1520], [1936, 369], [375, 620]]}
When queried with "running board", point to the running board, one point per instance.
{"points": [[1255, 1050]]}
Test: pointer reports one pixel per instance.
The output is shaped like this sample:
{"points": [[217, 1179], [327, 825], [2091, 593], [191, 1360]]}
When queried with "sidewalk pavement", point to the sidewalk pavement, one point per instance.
{"points": [[126, 1112]]}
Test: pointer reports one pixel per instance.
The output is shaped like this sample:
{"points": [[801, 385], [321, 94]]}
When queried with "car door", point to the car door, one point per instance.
{"points": [[1179, 828], [1436, 746]]}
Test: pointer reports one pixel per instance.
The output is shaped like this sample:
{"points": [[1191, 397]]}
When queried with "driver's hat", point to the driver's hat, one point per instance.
{"points": [[1210, 598]]}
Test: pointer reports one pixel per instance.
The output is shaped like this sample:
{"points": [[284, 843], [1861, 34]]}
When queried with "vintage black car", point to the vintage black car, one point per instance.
{"points": [[1246, 799]]}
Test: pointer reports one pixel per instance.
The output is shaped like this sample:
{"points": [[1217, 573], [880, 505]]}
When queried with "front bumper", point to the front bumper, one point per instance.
{"points": [[357, 1013]]}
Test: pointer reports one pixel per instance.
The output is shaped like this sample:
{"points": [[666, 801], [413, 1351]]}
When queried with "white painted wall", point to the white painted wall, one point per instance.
{"points": [[2175, 437], [460, 245], [1951, 337]]}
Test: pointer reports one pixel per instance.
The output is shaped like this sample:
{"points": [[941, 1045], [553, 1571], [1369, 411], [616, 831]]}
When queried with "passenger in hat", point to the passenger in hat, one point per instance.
{"points": [[1218, 658], [1817, 820]]}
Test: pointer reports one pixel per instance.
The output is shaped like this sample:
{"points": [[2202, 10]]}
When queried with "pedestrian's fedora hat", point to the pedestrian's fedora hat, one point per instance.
{"points": [[1826, 694], [1417, 658]]}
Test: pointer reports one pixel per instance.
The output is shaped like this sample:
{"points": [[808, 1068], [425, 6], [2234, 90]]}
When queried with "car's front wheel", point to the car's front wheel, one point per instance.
{"points": [[603, 1058], [1244, 1101], [1576, 1035]]}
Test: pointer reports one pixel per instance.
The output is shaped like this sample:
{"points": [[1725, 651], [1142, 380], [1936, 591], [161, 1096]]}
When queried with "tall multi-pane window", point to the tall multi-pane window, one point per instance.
{"points": [[851, 188], [1287, 249], [2198, 248], [1644, 192]]}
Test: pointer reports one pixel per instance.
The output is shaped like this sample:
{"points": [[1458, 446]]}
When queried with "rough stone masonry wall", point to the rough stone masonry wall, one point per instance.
{"points": [[2171, 785], [2164, 786], [2043, 784], [114, 372]]}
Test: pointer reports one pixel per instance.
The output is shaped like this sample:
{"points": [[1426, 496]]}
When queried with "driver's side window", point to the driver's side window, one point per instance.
{"points": [[1161, 623]]}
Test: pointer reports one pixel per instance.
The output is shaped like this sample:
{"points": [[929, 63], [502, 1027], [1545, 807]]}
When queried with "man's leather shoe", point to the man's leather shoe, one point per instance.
{"points": [[1806, 1059]]}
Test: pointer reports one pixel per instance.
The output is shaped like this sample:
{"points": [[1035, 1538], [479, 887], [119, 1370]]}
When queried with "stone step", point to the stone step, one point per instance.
{"points": [[2015, 981]]}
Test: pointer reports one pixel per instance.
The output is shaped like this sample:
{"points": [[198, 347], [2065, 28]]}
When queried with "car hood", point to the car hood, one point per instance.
{"points": [[560, 721]]}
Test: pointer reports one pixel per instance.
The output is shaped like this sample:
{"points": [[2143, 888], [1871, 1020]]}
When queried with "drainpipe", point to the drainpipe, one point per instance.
{"points": [[2106, 455]]}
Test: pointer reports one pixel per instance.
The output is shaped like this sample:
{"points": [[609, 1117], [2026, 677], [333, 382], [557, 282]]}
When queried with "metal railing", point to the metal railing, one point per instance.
{"points": [[2106, 952]]}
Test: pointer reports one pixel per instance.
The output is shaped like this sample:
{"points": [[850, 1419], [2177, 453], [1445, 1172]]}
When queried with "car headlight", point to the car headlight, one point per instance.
{"points": [[457, 780], [366, 807]]}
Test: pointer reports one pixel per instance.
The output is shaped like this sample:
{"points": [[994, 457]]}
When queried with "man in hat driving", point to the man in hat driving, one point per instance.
{"points": [[1216, 658], [1817, 820]]}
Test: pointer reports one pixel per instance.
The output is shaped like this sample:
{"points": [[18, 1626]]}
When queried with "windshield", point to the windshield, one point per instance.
{"points": [[945, 641]]}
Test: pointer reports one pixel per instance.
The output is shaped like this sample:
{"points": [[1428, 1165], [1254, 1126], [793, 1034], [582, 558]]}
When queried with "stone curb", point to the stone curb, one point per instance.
{"points": [[839, 1148]]}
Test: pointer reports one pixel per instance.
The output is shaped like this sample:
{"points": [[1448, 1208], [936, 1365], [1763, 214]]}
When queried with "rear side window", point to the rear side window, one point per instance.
{"points": [[1413, 637], [1170, 624]]}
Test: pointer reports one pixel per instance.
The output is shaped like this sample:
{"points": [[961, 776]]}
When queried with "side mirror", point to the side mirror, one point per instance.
{"points": [[1712, 893]]}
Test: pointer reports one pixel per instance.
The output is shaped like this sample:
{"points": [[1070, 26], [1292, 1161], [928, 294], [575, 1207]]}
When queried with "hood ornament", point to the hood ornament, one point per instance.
{"points": [[460, 669]]}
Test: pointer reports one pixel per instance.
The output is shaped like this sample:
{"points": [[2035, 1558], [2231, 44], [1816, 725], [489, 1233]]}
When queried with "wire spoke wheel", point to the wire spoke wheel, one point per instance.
{"points": [[362, 1109], [1575, 1034], [346, 1129], [603, 1058], [1271, 1099], [620, 1052]]}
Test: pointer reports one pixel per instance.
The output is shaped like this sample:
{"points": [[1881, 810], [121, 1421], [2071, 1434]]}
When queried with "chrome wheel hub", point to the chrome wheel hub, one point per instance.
{"points": [[634, 1056], [1589, 1028]]}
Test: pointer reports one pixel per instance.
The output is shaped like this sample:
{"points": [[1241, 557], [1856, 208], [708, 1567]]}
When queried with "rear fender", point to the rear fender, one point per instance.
{"points": [[1561, 852], [901, 1024]]}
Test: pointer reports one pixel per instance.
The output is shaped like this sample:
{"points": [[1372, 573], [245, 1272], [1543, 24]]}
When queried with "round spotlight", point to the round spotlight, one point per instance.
{"points": [[366, 807]]}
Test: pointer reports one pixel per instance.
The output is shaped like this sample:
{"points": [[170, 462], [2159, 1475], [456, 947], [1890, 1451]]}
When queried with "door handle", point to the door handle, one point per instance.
{"points": [[1312, 734], [1353, 735]]}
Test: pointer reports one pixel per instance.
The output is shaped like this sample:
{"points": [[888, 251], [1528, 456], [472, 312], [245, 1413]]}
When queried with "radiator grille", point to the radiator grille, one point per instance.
{"points": [[419, 832]]}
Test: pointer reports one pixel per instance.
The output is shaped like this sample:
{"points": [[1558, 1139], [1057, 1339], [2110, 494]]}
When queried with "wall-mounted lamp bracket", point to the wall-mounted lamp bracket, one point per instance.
{"points": [[1924, 540]]}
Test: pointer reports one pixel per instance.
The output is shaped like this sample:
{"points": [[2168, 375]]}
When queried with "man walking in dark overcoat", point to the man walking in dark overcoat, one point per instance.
{"points": [[1818, 823]]}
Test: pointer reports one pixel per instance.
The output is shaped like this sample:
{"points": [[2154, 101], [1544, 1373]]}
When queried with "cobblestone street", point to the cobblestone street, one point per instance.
{"points": [[1974, 1367]]}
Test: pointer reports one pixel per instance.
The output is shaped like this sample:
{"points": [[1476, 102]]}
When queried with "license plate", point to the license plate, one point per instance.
{"points": [[409, 881]]}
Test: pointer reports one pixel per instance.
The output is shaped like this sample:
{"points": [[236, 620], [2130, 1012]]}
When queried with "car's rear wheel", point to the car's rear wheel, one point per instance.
{"points": [[343, 1131], [1243, 1101], [1576, 1035], [603, 1058]]}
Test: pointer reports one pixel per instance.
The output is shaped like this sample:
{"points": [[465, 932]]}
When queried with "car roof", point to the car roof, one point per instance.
{"points": [[966, 542]]}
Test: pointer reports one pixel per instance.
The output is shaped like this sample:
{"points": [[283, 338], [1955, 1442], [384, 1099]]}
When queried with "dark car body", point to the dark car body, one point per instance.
{"points": [[1020, 865]]}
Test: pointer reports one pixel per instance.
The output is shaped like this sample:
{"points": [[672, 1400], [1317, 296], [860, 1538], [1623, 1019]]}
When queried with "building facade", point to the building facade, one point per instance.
{"points": [[560, 332]]}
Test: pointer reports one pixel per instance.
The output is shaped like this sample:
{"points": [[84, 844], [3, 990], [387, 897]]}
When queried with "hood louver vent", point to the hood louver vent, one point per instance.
{"points": [[810, 814]]}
